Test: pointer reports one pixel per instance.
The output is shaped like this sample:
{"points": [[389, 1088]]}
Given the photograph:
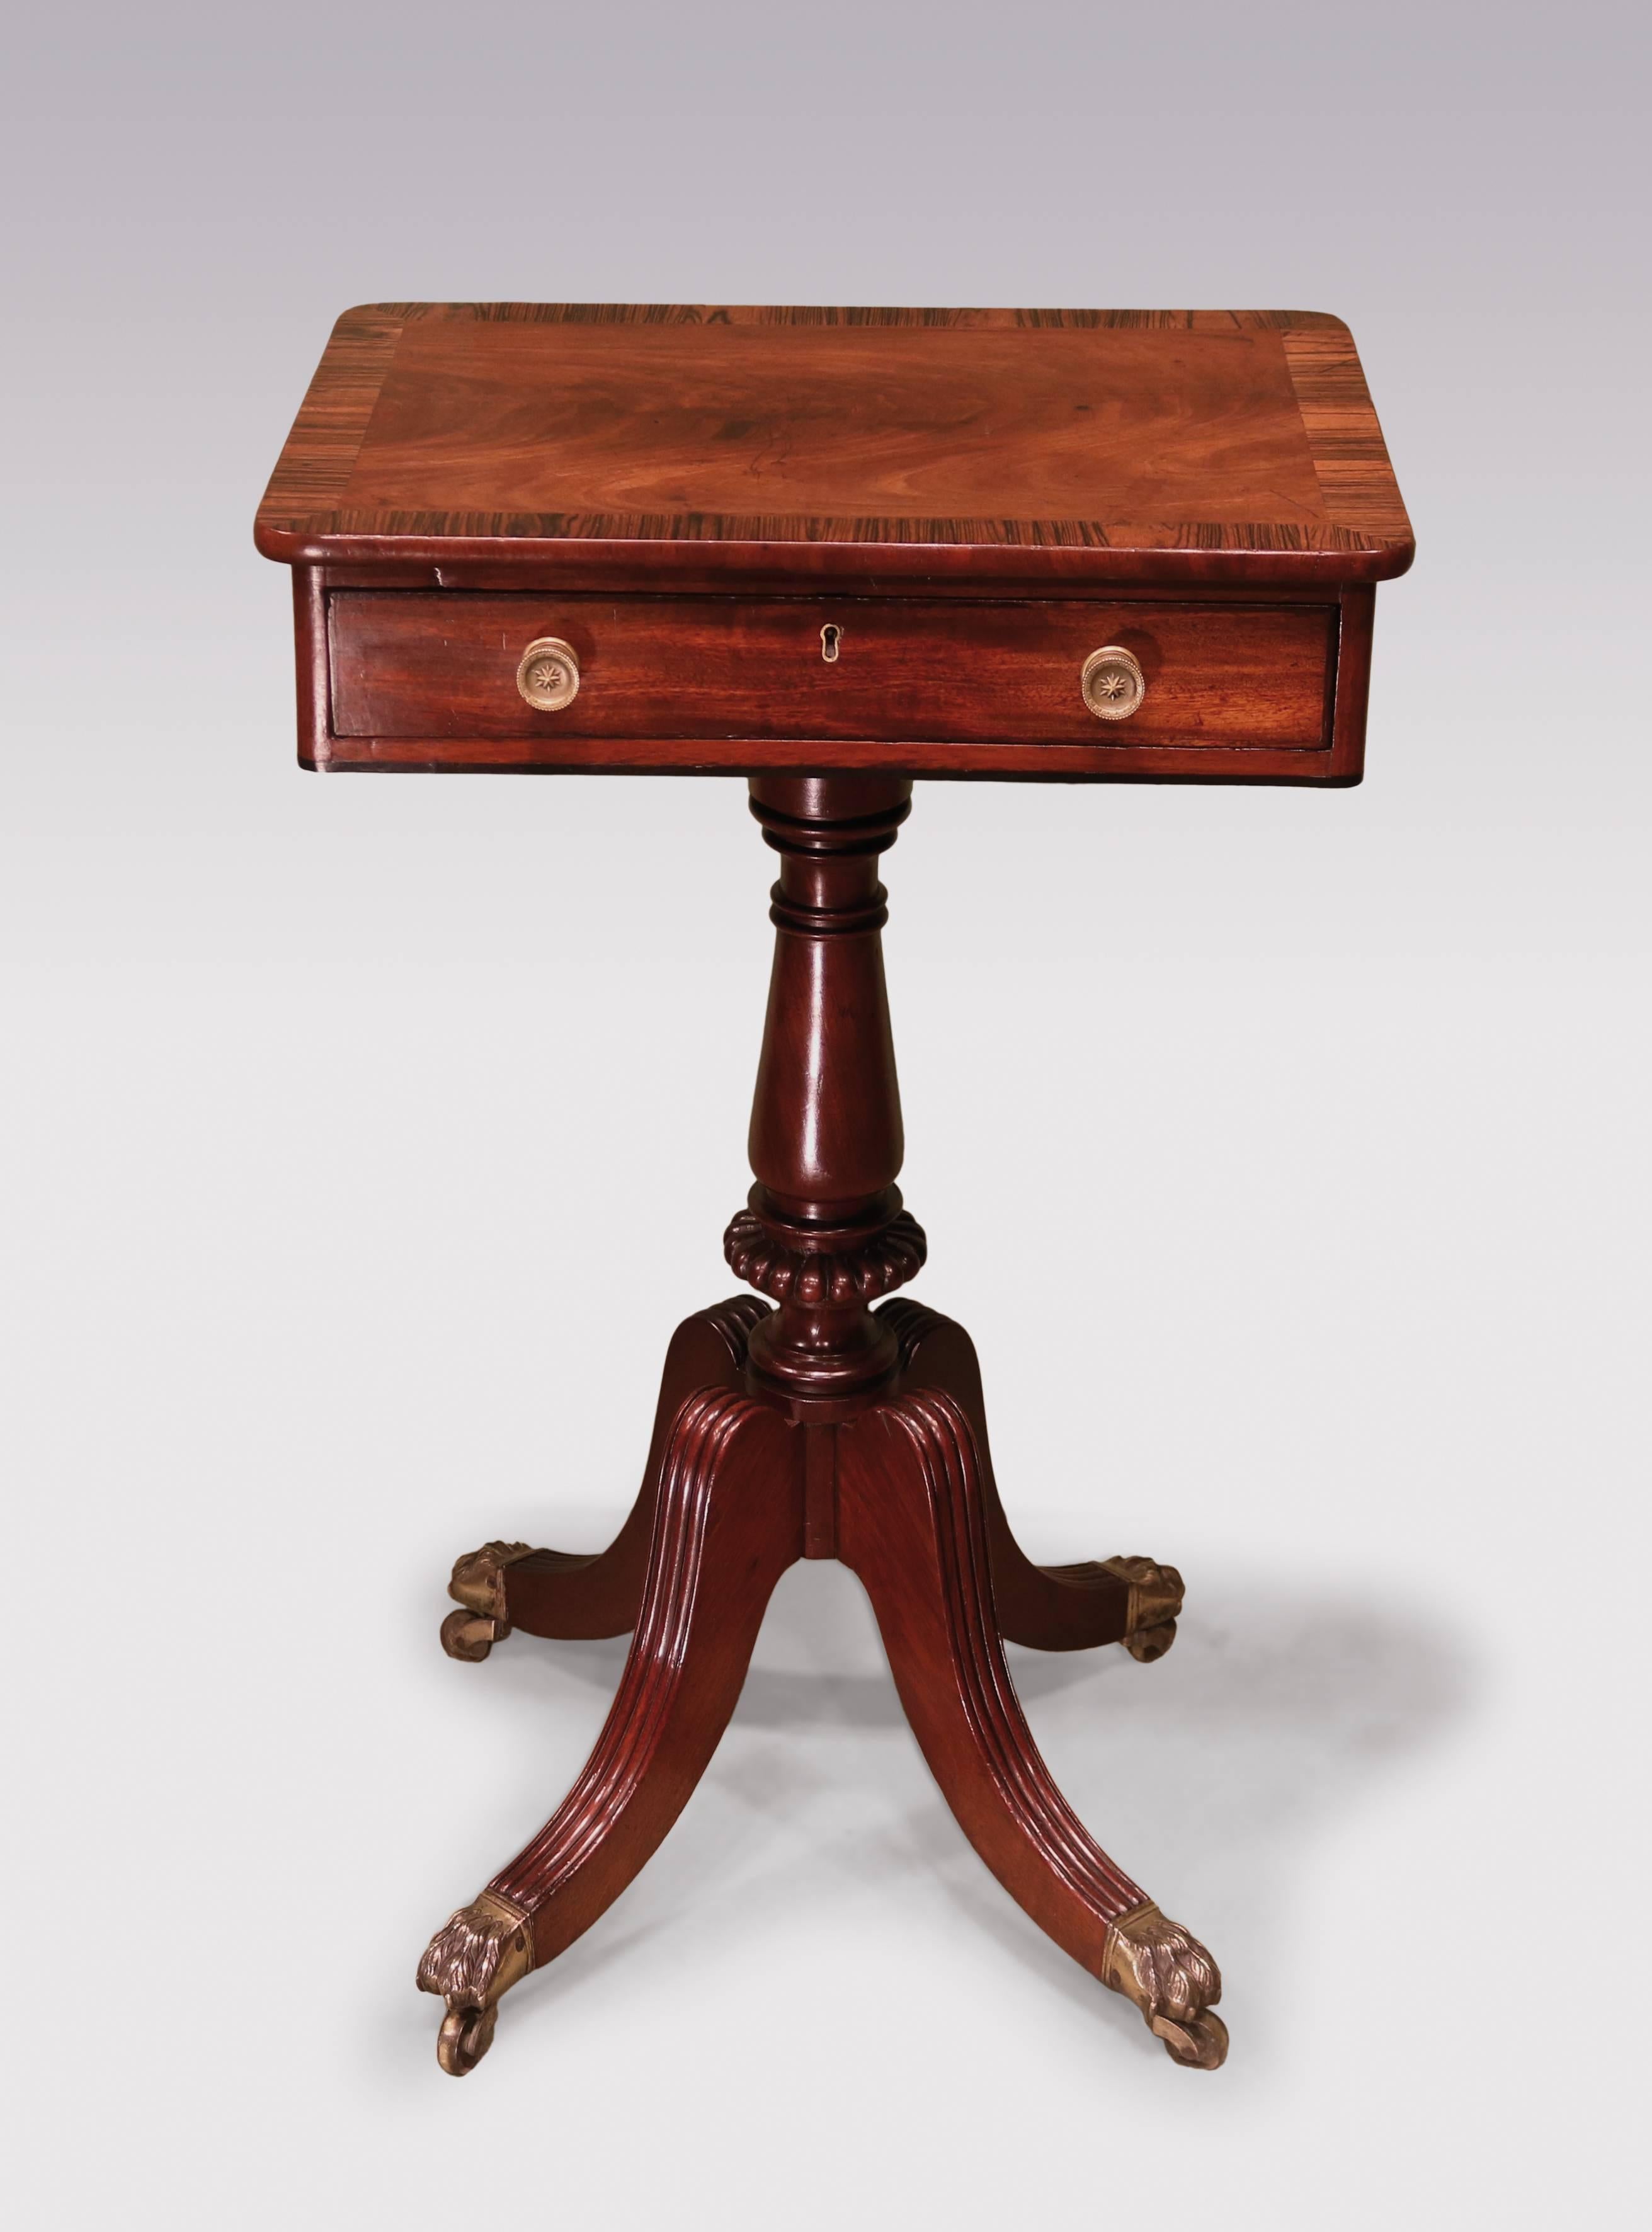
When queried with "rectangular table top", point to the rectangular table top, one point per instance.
{"points": [[665, 446]]}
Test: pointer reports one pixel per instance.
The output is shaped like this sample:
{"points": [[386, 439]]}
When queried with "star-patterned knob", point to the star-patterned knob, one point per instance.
{"points": [[548, 674], [1112, 683]]}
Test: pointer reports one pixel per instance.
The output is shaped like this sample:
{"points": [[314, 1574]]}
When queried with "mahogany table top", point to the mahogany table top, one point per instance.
{"points": [[660, 445]]}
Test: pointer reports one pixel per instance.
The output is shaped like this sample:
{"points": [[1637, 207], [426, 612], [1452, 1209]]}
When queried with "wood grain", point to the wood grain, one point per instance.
{"points": [[556, 1592], [429, 664], [729, 1522], [823, 1232], [1350, 459], [825, 1428], [1077, 1608], [912, 1525], [978, 437], [320, 454], [893, 433]]}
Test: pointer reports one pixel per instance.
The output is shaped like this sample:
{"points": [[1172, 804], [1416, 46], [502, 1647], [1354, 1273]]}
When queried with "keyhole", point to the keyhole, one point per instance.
{"points": [[829, 635]]}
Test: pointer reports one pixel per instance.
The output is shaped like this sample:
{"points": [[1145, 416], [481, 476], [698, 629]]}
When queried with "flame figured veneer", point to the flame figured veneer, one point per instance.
{"points": [[832, 550]]}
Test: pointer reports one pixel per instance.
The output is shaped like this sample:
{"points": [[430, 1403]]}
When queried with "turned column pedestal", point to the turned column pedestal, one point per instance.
{"points": [[820, 1421], [830, 548]]}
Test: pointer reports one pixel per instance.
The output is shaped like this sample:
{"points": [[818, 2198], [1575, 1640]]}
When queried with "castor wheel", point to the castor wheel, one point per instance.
{"points": [[1201, 2042], [471, 1635], [465, 2035], [1144, 1646]]}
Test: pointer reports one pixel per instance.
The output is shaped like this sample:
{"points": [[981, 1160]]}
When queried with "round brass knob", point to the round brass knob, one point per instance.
{"points": [[1112, 683], [548, 674]]}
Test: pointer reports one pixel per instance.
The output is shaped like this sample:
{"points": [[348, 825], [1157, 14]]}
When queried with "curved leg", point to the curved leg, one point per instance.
{"points": [[729, 1522], [912, 1524], [1129, 1600], [505, 1584]]}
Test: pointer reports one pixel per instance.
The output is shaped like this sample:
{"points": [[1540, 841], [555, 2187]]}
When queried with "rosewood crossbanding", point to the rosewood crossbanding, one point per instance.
{"points": [[968, 505], [452, 424], [832, 551]]}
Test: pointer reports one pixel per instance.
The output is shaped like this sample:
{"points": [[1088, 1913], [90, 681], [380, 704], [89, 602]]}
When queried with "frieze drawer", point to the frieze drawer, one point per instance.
{"points": [[953, 685]]}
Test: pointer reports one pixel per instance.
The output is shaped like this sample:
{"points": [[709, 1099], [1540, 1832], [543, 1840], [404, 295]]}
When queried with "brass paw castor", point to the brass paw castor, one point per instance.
{"points": [[472, 1960], [1156, 1594], [1174, 1982], [478, 1584]]}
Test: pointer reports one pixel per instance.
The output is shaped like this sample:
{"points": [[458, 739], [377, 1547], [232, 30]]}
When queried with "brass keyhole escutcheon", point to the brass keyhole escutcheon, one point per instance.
{"points": [[830, 636], [548, 674], [1112, 683]]}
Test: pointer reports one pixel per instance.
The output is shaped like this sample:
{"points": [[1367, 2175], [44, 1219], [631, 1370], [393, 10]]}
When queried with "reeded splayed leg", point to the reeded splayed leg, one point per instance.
{"points": [[729, 1522], [1130, 1600], [912, 1524], [553, 1593]]}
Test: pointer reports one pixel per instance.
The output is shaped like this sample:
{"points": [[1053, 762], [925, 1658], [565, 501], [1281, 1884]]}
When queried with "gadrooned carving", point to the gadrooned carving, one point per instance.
{"points": [[887, 1259]]}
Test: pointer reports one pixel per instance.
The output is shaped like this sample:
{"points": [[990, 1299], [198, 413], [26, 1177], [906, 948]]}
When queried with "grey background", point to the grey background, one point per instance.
{"points": [[364, 1141]]}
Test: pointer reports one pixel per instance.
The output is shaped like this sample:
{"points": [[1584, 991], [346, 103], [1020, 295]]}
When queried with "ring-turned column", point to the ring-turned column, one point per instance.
{"points": [[824, 1234]]}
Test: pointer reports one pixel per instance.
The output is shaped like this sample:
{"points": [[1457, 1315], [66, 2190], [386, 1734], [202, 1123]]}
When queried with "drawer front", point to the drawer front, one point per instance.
{"points": [[430, 679]]}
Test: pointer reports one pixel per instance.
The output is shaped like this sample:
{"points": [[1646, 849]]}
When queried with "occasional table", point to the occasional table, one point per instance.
{"points": [[832, 551]]}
